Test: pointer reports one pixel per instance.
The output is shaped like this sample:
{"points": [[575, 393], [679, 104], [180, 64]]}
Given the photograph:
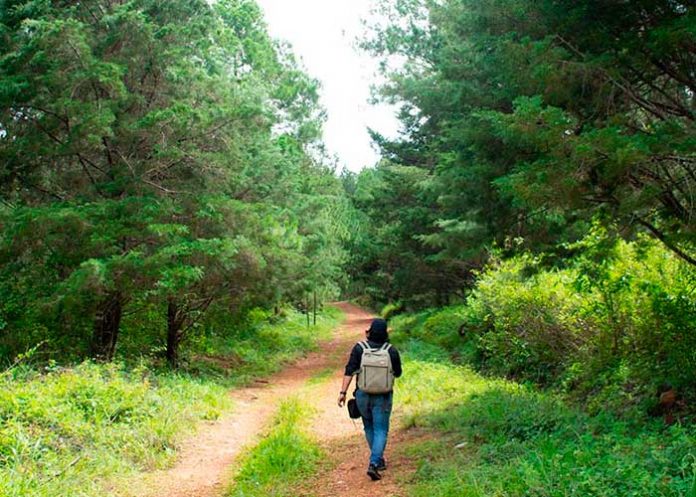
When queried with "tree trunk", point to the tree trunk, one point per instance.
{"points": [[106, 326], [315, 307], [174, 334]]}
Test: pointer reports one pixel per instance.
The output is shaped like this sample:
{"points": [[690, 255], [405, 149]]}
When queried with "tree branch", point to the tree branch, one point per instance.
{"points": [[661, 236]]}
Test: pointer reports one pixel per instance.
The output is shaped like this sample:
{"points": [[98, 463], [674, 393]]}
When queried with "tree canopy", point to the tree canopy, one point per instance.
{"points": [[524, 120], [154, 155]]}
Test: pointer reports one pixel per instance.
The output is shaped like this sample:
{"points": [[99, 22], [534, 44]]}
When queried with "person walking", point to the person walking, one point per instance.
{"points": [[376, 363]]}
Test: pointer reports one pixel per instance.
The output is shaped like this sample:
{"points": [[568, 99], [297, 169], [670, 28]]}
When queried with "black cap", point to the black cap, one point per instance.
{"points": [[378, 331]]}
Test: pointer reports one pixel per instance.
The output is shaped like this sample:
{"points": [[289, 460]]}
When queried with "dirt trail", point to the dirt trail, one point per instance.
{"points": [[343, 439], [206, 462]]}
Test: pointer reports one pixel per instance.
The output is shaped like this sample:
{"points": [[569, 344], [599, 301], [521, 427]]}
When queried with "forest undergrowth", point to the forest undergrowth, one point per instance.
{"points": [[541, 383]]}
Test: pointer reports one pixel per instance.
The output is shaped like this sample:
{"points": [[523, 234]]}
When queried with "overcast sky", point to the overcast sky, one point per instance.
{"points": [[322, 33]]}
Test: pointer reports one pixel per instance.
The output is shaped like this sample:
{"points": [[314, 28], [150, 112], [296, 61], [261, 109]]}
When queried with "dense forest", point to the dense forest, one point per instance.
{"points": [[170, 220], [544, 183], [161, 165]]}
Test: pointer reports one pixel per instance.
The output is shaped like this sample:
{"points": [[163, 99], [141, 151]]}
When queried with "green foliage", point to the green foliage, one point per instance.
{"points": [[390, 310], [635, 313], [257, 347], [155, 160], [521, 122], [500, 438], [282, 459], [536, 323], [67, 431], [438, 327], [613, 328], [389, 261]]}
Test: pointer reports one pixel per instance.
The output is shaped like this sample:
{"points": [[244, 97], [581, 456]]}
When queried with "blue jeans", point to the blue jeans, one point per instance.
{"points": [[375, 410]]}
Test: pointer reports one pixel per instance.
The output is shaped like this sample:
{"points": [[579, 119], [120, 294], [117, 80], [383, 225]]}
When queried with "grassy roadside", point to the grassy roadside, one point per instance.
{"points": [[493, 437], [255, 351], [67, 430], [285, 456]]}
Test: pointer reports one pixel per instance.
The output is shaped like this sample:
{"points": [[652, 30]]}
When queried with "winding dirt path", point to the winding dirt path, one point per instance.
{"points": [[206, 462]]}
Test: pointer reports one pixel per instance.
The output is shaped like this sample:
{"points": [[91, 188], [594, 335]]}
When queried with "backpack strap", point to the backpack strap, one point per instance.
{"points": [[386, 346], [364, 345]]}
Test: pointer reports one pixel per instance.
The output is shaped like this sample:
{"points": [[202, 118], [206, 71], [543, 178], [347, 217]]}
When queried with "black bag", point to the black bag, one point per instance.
{"points": [[353, 410]]}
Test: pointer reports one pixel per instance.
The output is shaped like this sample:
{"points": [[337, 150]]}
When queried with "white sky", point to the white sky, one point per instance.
{"points": [[323, 33]]}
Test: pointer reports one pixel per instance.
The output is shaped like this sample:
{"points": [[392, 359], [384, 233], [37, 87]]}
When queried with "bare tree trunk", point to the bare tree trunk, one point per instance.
{"points": [[306, 308], [175, 323], [106, 326], [315, 307]]}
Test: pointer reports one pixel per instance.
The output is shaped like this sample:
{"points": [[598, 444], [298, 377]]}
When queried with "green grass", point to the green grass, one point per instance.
{"points": [[66, 431], [62, 432], [497, 438], [285, 456]]}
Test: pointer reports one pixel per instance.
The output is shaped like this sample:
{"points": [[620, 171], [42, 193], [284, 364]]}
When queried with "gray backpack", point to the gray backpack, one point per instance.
{"points": [[375, 374]]}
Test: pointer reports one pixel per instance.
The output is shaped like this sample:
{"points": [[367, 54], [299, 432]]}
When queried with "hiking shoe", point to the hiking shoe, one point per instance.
{"points": [[373, 473], [382, 466]]}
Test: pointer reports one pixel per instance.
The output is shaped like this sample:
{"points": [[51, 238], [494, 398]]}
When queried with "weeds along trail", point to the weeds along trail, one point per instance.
{"points": [[206, 462]]}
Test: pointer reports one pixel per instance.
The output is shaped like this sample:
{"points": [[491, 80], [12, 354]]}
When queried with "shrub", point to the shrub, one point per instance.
{"points": [[634, 309], [535, 323], [615, 322], [392, 309]]}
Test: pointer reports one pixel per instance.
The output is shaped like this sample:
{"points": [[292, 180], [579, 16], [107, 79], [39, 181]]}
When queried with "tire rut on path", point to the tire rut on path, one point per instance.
{"points": [[206, 462]]}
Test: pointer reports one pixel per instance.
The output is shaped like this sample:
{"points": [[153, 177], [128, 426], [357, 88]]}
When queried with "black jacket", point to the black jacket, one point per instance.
{"points": [[356, 355]]}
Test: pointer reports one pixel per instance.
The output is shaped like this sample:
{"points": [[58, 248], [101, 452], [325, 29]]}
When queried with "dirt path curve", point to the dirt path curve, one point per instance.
{"points": [[206, 461]]}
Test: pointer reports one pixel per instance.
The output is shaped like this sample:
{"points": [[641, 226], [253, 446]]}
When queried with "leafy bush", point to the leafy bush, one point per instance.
{"points": [[392, 309], [536, 323], [615, 322]]}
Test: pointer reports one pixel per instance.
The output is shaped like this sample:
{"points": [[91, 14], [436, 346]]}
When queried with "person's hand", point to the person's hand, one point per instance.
{"points": [[341, 399]]}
